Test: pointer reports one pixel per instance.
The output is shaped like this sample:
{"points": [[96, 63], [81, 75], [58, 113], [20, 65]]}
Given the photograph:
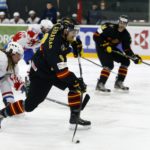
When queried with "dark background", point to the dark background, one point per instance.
{"points": [[137, 9]]}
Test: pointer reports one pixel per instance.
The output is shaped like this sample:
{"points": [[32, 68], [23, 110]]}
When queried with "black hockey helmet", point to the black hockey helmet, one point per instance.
{"points": [[69, 24], [124, 19]]}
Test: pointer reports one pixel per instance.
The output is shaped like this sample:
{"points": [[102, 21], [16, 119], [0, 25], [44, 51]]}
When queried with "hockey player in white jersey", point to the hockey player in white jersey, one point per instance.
{"points": [[30, 39], [9, 77]]}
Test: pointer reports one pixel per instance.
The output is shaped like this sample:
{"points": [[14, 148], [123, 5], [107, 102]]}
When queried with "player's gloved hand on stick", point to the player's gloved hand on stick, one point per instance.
{"points": [[77, 47], [137, 59], [79, 86], [82, 85], [105, 44]]}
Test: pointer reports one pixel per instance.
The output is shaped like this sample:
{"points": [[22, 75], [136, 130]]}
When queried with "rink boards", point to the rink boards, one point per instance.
{"points": [[140, 38]]}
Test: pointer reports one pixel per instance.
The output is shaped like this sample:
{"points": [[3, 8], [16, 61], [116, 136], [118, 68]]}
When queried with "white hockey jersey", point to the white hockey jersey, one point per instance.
{"points": [[4, 66], [6, 83], [25, 40]]}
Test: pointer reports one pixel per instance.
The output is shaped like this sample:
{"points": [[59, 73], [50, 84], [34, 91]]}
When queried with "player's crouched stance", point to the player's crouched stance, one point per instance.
{"points": [[111, 44], [49, 67], [9, 77]]}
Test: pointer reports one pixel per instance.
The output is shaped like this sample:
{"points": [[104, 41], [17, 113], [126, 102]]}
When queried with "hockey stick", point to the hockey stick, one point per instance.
{"points": [[56, 101], [145, 63], [96, 64], [75, 130], [122, 54], [85, 101], [129, 57], [92, 62]]}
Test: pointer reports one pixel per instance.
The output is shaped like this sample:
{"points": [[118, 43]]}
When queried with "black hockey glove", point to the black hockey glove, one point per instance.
{"points": [[78, 86], [23, 89], [82, 85], [66, 51], [137, 59], [77, 47]]}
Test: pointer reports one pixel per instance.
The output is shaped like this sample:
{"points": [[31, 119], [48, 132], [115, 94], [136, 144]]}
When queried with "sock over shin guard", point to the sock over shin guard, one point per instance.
{"points": [[122, 72], [74, 100], [104, 75], [13, 109]]}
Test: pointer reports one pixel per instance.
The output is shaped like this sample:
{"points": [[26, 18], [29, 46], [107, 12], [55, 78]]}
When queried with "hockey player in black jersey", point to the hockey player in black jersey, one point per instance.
{"points": [[106, 44], [49, 67]]}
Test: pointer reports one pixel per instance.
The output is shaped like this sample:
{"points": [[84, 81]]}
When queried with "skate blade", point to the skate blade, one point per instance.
{"points": [[80, 127], [105, 91], [121, 90], [102, 93]]}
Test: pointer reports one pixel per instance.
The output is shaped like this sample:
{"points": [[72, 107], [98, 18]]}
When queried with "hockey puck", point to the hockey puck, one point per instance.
{"points": [[78, 141]]}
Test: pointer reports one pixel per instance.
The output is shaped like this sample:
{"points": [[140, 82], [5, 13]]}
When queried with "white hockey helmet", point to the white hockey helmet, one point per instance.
{"points": [[46, 24], [14, 47]]}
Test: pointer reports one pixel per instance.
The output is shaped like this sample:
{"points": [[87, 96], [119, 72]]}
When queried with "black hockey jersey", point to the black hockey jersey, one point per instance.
{"points": [[111, 35], [50, 61]]}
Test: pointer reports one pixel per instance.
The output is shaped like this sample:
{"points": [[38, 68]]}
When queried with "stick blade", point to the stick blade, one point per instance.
{"points": [[85, 101]]}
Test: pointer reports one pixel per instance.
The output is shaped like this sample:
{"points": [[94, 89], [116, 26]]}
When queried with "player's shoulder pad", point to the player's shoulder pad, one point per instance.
{"points": [[107, 25]]}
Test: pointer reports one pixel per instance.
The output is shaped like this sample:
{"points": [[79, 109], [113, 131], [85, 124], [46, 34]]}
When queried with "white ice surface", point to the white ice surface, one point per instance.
{"points": [[120, 121]]}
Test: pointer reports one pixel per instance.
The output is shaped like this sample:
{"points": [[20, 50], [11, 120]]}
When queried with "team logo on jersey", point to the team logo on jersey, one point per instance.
{"points": [[18, 36], [141, 39]]}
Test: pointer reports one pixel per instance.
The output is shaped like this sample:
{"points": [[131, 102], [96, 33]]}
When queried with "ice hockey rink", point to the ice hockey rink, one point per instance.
{"points": [[120, 120]]}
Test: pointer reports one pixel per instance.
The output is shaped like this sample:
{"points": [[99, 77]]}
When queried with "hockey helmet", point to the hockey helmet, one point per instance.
{"points": [[69, 24], [46, 24], [14, 47], [124, 19]]}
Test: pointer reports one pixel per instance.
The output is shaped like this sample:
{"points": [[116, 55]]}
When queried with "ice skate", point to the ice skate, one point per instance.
{"points": [[82, 124], [101, 87], [119, 85]]}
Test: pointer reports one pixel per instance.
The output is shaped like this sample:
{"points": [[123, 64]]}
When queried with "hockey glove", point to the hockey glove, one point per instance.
{"points": [[82, 85], [137, 59], [105, 44], [23, 89], [77, 47], [79, 86]]}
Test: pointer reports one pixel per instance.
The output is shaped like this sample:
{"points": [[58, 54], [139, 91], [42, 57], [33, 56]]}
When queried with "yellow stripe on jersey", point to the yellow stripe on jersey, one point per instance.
{"points": [[43, 39]]}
